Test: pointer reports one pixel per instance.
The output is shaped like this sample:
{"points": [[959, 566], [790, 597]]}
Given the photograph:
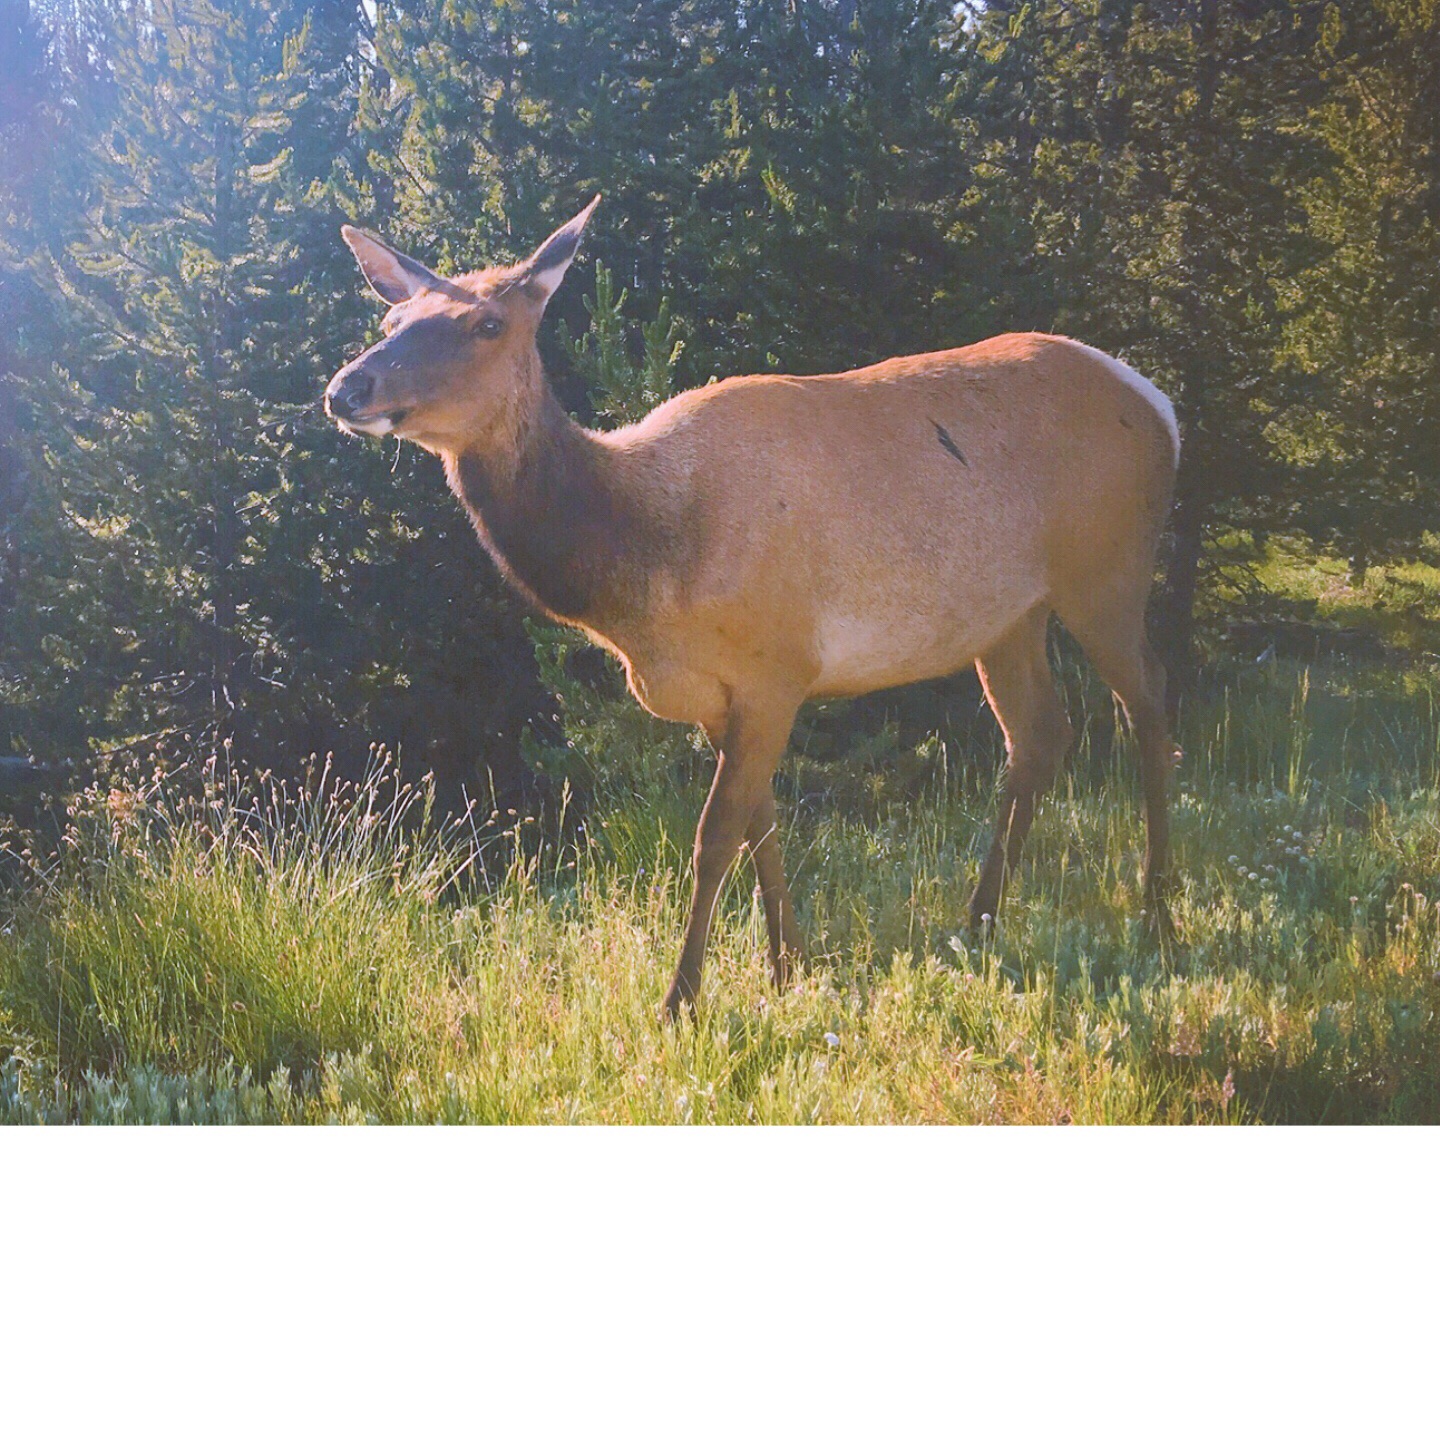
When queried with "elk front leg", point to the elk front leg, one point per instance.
{"points": [[1021, 691], [750, 748], [763, 841]]}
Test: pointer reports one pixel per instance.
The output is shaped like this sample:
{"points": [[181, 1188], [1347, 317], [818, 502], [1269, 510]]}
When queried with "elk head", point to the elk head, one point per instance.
{"points": [[458, 360]]}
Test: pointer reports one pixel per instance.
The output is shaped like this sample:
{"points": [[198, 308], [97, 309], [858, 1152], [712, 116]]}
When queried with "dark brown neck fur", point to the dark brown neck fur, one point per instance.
{"points": [[547, 508]]}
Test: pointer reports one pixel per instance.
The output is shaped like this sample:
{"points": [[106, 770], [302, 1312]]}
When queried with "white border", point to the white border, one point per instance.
{"points": [[893, 1282]]}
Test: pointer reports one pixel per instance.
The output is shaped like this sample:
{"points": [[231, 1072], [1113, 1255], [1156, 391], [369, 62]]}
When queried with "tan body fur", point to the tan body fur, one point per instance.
{"points": [[847, 549], [770, 539]]}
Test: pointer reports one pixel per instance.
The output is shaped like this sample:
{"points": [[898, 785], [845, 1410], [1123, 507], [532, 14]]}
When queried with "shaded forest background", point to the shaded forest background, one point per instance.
{"points": [[1241, 197]]}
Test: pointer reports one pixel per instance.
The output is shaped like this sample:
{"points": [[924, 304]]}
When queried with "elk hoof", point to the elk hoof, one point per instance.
{"points": [[1160, 923], [782, 968], [680, 996]]}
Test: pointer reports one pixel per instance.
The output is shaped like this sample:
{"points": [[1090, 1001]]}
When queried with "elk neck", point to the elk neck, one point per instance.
{"points": [[549, 504]]}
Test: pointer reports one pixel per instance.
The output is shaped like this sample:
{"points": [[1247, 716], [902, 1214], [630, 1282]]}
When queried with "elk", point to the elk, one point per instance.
{"points": [[772, 538]]}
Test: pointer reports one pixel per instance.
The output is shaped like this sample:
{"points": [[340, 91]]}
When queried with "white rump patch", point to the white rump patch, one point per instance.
{"points": [[1157, 399]]}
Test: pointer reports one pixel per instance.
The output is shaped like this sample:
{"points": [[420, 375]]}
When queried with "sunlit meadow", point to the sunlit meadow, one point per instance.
{"points": [[327, 953]]}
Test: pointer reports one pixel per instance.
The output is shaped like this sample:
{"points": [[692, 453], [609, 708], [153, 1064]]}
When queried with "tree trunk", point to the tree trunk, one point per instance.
{"points": [[1174, 611], [1172, 618]]}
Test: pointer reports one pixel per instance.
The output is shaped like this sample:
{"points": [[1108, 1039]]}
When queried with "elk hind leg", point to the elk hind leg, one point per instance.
{"points": [[1126, 662], [1021, 690], [1139, 684]]}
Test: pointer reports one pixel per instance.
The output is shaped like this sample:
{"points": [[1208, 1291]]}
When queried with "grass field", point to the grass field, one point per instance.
{"points": [[324, 954]]}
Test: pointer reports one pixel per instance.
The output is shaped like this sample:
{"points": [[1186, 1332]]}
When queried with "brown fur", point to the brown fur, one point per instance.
{"points": [[773, 538]]}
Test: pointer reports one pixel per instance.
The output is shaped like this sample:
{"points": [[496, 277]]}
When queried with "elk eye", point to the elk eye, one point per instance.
{"points": [[490, 327]]}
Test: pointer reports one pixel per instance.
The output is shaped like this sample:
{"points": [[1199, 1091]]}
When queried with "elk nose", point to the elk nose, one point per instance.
{"points": [[347, 393]]}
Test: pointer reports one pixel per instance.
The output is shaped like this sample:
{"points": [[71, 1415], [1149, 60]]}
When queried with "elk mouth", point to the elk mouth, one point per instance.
{"points": [[381, 423]]}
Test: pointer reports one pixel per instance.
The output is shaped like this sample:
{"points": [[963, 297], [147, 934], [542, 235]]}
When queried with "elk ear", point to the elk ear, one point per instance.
{"points": [[546, 268], [393, 277]]}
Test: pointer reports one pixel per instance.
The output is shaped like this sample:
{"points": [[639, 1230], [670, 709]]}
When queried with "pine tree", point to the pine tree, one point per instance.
{"points": [[1159, 150], [1361, 319], [32, 96], [233, 568]]}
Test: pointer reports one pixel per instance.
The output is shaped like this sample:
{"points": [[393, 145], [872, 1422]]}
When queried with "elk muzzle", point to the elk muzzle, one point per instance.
{"points": [[347, 393], [349, 400]]}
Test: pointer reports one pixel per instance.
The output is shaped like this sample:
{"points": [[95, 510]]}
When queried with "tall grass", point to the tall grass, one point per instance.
{"points": [[330, 952]]}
